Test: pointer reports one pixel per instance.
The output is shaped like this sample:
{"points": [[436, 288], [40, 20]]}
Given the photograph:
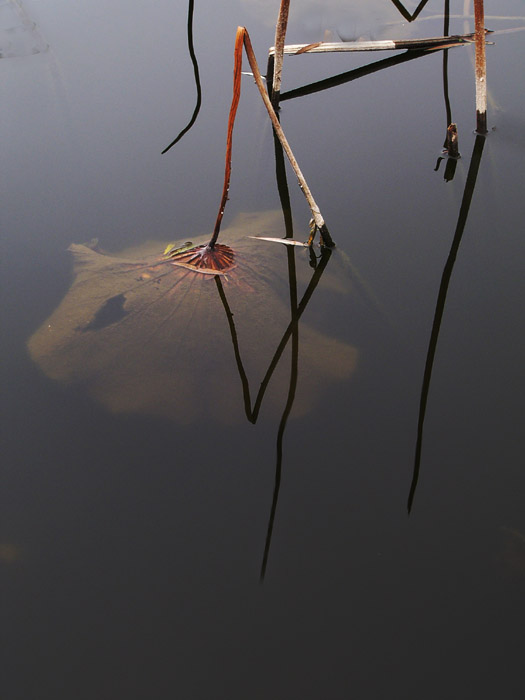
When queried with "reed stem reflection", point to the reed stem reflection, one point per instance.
{"points": [[440, 305]]}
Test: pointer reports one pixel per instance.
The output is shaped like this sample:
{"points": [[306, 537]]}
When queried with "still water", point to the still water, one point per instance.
{"points": [[147, 478]]}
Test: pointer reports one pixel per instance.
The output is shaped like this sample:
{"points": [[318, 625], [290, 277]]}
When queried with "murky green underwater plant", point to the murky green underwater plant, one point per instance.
{"points": [[143, 335]]}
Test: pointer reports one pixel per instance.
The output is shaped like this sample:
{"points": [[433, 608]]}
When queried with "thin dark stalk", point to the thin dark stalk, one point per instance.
{"points": [[446, 24], [451, 136], [196, 76], [446, 18], [440, 306]]}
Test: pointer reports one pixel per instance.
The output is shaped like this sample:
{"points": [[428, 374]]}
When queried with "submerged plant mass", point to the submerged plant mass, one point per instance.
{"points": [[139, 332]]}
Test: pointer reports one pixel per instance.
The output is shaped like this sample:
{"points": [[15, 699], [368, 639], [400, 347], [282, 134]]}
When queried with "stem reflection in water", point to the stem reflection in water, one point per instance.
{"points": [[440, 305]]}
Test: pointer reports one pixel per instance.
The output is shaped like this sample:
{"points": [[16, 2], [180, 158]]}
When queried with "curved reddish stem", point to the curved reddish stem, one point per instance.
{"points": [[237, 67]]}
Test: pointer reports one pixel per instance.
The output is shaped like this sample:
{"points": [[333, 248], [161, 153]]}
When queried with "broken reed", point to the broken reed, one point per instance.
{"points": [[451, 141], [437, 42], [275, 60], [280, 36], [316, 214], [481, 68]]}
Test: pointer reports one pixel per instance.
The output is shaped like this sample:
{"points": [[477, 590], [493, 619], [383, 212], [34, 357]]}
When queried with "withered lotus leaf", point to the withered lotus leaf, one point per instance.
{"points": [[143, 335]]}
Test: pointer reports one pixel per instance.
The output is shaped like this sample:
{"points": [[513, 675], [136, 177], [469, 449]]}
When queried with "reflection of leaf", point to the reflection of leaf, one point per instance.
{"points": [[143, 335]]}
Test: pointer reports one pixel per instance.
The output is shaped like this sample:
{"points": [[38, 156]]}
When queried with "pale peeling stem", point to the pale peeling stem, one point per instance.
{"points": [[280, 36], [481, 68], [316, 214]]}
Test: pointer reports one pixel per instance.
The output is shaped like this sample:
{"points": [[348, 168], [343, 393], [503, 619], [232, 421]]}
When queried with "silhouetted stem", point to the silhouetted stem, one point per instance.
{"points": [[197, 79]]}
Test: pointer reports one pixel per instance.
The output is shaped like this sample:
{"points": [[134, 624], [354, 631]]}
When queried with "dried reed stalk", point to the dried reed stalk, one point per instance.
{"points": [[438, 42], [481, 68], [242, 37], [319, 222], [280, 36]]}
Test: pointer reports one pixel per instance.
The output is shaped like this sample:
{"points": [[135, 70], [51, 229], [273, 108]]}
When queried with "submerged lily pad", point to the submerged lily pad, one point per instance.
{"points": [[144, 335]]}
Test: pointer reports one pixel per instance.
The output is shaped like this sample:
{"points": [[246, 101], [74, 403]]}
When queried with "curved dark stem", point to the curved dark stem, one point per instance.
{"points": [[445, 91], [440, 305], [197, 79]]}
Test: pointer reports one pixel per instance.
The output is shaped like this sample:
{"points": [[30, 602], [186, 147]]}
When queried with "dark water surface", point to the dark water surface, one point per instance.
{"points": [[136, 494]]}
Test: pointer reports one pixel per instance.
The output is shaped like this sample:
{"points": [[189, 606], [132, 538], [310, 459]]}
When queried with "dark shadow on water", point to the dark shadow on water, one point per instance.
{"points": [[354, 74]]}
